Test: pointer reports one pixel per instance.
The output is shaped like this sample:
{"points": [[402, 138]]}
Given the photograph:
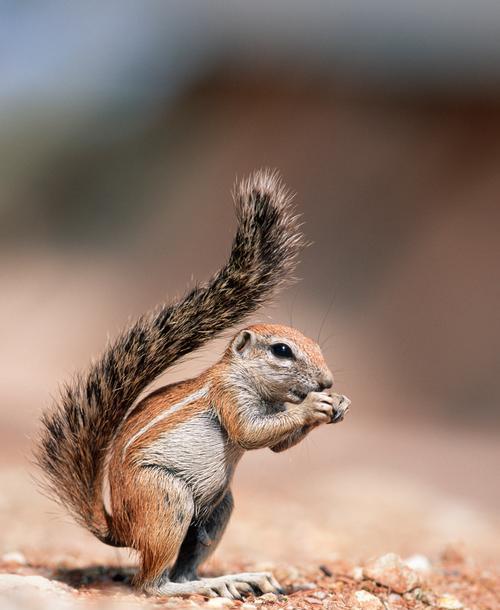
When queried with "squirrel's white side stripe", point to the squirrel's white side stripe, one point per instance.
{"points": [[106, 492], [172, 409]]}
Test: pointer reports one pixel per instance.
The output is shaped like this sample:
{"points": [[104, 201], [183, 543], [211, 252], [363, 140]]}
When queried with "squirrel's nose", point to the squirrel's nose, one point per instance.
{"points": [[325, 381]]}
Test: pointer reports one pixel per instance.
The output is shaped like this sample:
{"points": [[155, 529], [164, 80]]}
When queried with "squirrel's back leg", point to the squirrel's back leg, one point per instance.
{"points": [[152, 510], [202, 540], [156, 510]]}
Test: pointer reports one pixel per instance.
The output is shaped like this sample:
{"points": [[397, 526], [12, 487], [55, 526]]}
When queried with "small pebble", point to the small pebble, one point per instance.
{"points": [[247, 606], [357, 573], [269, 597], [363, 600], [391, 572], [449, 602], [14, 557], [219, 602], [326, 570], [321, 595], [419, 563], [306, 586]]}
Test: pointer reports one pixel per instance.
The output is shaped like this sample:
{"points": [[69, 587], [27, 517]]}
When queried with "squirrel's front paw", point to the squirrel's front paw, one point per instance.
{"points": [[317, 408], [340, 407]]}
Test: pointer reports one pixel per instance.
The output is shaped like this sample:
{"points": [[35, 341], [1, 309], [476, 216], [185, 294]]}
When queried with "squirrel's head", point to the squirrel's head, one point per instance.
{"points": [[279, 362]]}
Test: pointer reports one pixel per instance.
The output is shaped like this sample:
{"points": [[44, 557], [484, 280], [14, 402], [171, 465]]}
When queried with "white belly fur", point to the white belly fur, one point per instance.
{"points": [[200, 453]]}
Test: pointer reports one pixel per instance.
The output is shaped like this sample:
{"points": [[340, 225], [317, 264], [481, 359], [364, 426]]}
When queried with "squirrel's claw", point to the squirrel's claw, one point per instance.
{"points": [[341, 406]]}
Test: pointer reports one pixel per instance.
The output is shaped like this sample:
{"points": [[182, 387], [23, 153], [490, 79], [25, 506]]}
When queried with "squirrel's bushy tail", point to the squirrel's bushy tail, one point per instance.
{"points": [[78, 430]]}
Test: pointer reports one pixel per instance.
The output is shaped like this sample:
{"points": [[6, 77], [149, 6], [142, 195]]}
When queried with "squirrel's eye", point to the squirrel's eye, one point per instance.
{"points": [[281, 350]]}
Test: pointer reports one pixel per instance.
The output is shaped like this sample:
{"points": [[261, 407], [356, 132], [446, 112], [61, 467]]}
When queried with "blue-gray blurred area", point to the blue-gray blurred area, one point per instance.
{"points": [[124, 124]]}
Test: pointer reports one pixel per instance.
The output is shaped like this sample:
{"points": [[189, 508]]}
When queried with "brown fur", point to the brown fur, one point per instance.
{"points": [[153, 405], [151, 513]]}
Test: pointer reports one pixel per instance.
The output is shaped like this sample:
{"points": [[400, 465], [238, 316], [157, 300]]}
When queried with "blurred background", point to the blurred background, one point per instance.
{"points": [[122, 129]]}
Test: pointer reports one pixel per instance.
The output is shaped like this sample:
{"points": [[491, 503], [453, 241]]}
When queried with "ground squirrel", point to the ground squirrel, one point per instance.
{"points": [[156, 477]]}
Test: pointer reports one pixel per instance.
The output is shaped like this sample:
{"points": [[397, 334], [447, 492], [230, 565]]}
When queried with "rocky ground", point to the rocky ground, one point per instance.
{"points": [[385, 583], [331, 520]]}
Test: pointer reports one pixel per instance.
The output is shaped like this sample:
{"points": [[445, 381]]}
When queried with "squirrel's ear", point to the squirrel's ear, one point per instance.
{"points": [[243, 341]]}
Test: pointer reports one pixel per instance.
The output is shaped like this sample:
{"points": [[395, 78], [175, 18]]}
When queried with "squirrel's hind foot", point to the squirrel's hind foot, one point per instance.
{"points": [[231, 586]]}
